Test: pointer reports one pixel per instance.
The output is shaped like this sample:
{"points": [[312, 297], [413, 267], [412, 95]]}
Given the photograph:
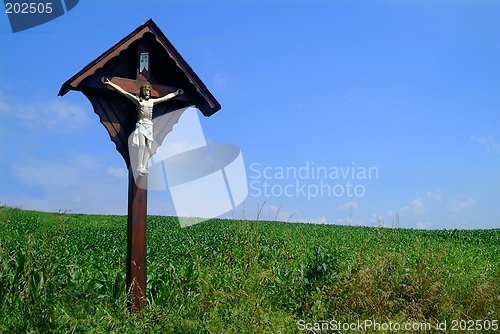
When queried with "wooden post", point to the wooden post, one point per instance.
{"points": [[136, 241], [137, 216]]}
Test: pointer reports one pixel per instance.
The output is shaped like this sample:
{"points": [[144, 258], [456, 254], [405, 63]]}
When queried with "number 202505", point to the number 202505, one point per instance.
{"points": [[471, 325], [28, 8]]}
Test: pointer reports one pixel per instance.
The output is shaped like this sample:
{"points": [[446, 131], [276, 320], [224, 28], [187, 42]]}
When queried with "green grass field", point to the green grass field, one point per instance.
{"points": [[65, 273]]}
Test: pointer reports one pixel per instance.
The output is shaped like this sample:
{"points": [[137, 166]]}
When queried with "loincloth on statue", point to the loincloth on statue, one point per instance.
{"points": [[146, 129]]}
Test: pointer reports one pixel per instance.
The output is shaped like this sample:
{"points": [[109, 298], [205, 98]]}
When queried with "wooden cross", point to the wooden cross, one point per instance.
{"points": [[138, 194], [119, 117]]}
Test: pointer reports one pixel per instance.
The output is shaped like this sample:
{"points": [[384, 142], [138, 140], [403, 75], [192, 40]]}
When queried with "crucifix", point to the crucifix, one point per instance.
{"points": [[143, 134], [143, 138], [159, 72]]}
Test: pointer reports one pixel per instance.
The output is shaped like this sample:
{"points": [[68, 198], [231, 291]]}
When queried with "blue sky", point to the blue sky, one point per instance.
{"points": [[408, 88]]}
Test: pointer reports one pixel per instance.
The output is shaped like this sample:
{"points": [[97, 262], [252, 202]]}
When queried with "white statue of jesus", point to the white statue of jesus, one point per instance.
{"points": [[143, 134]]}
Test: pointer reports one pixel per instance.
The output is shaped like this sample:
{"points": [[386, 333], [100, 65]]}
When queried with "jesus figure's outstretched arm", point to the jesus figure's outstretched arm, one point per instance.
{"points": [[120, 90], [168, 96]]}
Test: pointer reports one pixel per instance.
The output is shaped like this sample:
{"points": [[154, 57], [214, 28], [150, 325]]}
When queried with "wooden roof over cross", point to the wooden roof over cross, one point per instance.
{"points": [[167, 72]]}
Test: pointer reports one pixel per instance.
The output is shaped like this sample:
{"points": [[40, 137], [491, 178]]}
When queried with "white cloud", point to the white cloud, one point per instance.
{"points": [[488, 142], [120, 173], [348, 206], [349, 96], [263, 212], [219, 81], [416, 207], [277, 213], [54, 115], [4, 107], [460, 205], [424, 226], [320, 220], [377, 219], [349, 221], [79, 183], [434, 196]]}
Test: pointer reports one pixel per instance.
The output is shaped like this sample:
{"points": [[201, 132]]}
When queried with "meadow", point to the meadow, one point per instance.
{"points": [[65, 273]]}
